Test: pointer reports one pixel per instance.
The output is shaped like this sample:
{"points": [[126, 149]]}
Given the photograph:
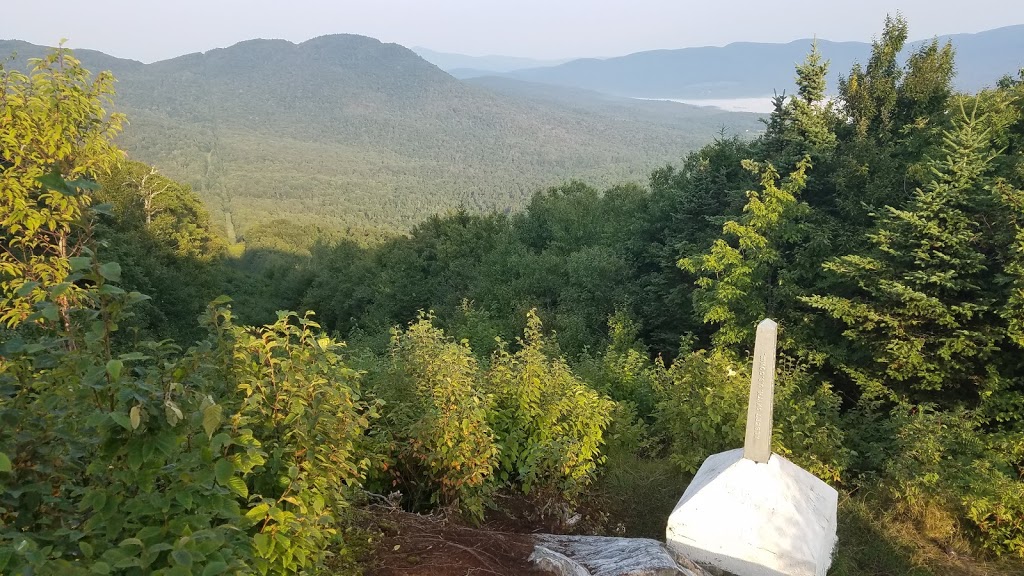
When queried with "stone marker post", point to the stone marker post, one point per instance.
{"points": [[757, 445], [749, 512]]}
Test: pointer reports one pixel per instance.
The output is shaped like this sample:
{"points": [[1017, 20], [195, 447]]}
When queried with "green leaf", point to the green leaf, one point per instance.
{"points": [[263, 544], [185, 499], [83, 184], [121, 419], [26, 289], [238, 486], [259, 512], [214, 568], [5, 463], [114, 369], [111, 290], [54, 181], [136, 297], [100, 568], [135, 458], [220, 441], [86, 548], [221, 300], [212, 416], [224, 470], [59, 289], [159, 547], [48, 311], [111, 271], [182, 557], [107, 209], [80, 262], [135, 415], [131, 542], [99, 500]]}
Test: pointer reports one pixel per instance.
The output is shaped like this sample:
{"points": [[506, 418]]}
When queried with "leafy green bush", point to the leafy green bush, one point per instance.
{"points": [[142, 472], [702, 411], [945, 470], [624, 372], [114, 461], [54, 124], [549, 423], [305, 406], [442, 448]]}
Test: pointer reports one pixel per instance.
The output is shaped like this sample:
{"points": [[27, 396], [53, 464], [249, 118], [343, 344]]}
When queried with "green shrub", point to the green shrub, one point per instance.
{"points": [[304, 404], [440, 442], [549, 424], [624, 372], [945, 465], [702, 410], [114, 461]]}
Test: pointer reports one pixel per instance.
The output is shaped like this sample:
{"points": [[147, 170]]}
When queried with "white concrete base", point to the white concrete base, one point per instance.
{"points": [[750, 519]]}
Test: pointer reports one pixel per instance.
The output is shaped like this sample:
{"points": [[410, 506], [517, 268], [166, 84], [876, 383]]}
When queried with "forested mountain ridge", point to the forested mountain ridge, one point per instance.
{"points": [[350, 131], [751, 69]]}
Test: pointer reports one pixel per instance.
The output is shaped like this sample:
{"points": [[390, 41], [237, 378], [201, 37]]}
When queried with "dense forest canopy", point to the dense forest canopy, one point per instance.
{"points": [[346, 131], [584, 353]]}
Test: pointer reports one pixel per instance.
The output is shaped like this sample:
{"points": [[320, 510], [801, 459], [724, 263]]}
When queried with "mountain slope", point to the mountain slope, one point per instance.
{"points": [[746, 69], [352, 132]]}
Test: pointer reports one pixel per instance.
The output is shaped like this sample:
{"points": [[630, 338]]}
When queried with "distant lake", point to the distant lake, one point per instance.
{"points": [[761, 105]]}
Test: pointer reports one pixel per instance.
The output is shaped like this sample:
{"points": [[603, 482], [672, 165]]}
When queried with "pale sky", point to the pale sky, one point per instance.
{"points": [[151, 30]]}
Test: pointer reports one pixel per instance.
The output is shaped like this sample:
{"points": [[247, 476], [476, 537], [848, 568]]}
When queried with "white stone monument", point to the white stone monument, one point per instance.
{"points": [[753, 513]]}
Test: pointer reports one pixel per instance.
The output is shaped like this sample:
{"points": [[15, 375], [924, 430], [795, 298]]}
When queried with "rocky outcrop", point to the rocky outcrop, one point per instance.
{"points": [[604, 556]]}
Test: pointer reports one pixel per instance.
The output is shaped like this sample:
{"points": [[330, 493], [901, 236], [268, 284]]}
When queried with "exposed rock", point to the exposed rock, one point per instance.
{"points": [[556, 563], [604, 556]]}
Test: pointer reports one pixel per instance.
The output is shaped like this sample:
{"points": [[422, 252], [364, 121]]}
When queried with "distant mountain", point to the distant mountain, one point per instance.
{"points": [[660, 112], [348, 131], [484, 64], [747, 69]]}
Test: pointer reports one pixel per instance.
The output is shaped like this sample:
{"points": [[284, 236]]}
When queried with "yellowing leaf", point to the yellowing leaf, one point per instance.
{"points": [[258, 512], [212, 416], [237, 485]]}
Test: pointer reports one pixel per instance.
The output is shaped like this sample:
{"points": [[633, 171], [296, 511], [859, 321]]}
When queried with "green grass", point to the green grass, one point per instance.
{"points": [[876, 539]]}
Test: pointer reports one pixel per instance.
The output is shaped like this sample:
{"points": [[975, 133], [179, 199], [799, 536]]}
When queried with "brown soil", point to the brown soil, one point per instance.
{"points": [[418, 545]]}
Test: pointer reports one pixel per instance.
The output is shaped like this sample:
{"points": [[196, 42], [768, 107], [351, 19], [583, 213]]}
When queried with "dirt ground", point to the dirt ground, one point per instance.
{"points": [[419, 545]]}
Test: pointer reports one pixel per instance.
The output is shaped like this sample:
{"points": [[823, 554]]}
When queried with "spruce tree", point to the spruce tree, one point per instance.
{"points": [[743, 277], [921, 322], [813, 117]]}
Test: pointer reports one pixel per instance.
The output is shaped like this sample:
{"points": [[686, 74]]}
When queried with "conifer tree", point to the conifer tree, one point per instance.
{"points": [[870, 92], [1013, 311], [921, 321], [812, 113], [802, 124], [742, 281]]}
